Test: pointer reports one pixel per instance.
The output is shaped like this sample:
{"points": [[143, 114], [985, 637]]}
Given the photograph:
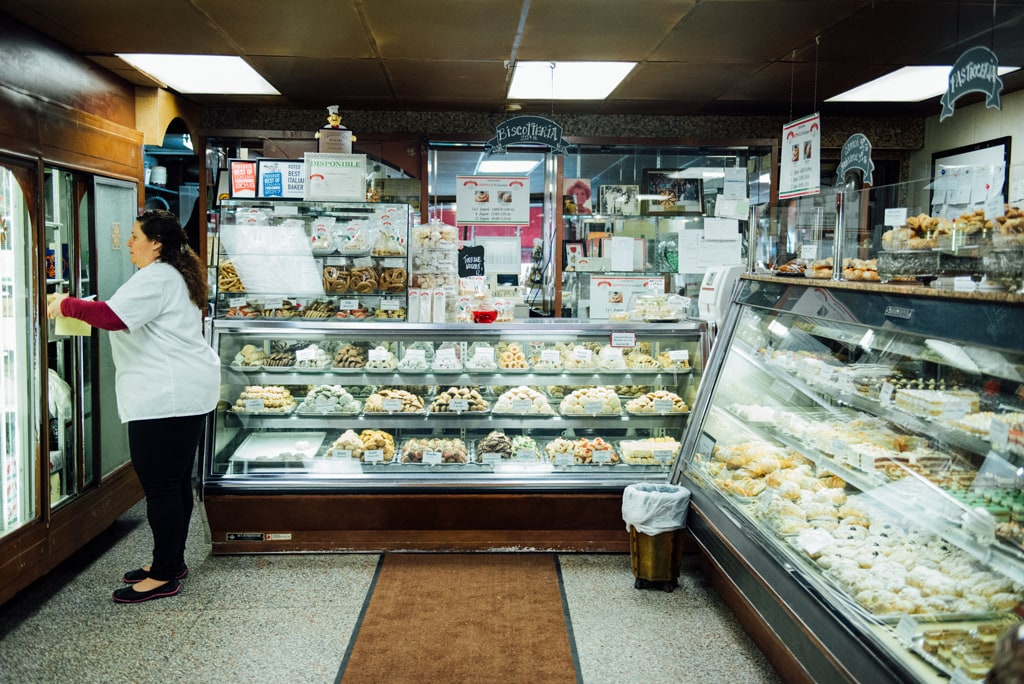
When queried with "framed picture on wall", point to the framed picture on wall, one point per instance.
{"points": [[667, 191], [620, 200]]}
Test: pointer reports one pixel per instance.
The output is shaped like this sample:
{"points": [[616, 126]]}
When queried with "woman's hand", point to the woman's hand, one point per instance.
{"points": [[53, 305]]}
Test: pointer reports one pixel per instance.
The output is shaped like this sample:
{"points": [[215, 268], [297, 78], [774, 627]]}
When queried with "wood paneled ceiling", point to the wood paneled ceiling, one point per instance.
{"points": [[769, 57]]}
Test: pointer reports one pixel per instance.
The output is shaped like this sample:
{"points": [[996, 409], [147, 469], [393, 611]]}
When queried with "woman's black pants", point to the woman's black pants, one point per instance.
{"points": [[163, 453]]}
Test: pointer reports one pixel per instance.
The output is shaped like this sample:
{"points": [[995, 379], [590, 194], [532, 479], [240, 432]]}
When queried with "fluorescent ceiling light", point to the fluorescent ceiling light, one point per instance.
{"points": [[507, 165], [566, 80], [198, 74], [909, 84]]}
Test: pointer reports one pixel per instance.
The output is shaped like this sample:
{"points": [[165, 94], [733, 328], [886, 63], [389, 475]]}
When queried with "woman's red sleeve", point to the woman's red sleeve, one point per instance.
{"points": [[97, 314]]}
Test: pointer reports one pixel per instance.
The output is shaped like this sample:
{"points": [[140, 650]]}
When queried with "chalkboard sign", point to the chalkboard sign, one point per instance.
{"points": [[471, 261]]}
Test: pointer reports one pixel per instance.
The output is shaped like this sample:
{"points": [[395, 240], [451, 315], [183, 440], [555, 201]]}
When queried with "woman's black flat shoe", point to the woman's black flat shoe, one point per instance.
{"points": [[133, 576], [129, 595]]}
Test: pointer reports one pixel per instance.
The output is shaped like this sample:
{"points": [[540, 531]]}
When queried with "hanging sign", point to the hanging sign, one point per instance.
{"points": [[801, 158], [527, 130], [492, 200], [975, 71], [856, 155]]}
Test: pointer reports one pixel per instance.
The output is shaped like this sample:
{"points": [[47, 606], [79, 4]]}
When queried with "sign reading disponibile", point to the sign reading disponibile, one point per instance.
{"points": [[800, 172], [335, 177], [975, 71], [856, 155], [527, 130]]}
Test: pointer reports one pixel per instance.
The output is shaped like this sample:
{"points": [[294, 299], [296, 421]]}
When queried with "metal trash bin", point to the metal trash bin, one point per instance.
{"points": [[655, 515]]}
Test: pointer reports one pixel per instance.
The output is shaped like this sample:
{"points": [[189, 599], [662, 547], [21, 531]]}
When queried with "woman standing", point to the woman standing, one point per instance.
{"points": [[167, 380]]}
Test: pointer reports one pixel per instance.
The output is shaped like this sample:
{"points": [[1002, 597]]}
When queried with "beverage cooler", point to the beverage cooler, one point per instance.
{"points": [[61, 435]]}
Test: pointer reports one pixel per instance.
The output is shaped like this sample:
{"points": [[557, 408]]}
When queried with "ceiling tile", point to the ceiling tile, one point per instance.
{"points": [[444, 29], [452, 81], [172, 26], [611, 30], [751, 30], [326, 80], [323, 28]]}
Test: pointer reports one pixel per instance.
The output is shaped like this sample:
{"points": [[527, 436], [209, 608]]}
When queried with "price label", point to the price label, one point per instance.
{"points": [[663, 405], [348, 304], [885, 392], [416, 355], [614, 357], [432, 457], [373, 456], [379, 354], [237, 302], [592, 407], [458, 405], [343, 453], [551, 356], [582, 354], [526, 454], [255, 405], [390, 304], [490, 458], [484, 355], [603, 456], [999, 434], [622, 339], [304, 355], [565, 460], [273, 303], [809, 252], [663, 456], [362, 262], [521, 405], [677, 355], [836, 447], [445, 356], [392, 405]]}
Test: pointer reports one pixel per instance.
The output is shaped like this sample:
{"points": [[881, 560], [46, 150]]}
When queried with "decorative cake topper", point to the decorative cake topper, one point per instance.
{"points": [[334, 120]]}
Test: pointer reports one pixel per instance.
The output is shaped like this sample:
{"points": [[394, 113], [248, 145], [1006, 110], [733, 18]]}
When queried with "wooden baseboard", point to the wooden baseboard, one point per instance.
{"points": [[416, 522]]}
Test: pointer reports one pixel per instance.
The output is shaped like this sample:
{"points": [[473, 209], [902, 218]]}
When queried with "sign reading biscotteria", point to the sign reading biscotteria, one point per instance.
{"points": [[856, 155], [527, 130], [335, 177], [975, 71]]}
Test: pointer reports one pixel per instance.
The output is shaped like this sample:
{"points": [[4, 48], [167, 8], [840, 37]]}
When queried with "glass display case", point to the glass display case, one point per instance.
{"points": [[338, 261], [856, 469], [512, 409]]}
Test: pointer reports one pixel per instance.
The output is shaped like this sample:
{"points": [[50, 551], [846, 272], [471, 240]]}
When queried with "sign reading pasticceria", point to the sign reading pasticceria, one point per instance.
{"points": [[527, 130], [975, 71]]}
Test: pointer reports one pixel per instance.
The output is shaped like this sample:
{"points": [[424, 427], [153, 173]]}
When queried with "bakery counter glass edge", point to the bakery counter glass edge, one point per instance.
{"points": [[440, 389], [887, 505]]}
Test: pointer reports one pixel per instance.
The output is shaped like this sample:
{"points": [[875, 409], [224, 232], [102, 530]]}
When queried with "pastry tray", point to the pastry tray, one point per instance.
{"points": [[267, 447]]}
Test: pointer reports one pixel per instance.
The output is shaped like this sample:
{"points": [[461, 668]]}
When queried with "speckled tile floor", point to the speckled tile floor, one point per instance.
{"points": [[289, 618]]}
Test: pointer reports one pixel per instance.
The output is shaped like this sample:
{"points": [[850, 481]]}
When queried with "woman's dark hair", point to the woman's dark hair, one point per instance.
{"points": [[163, 227]]}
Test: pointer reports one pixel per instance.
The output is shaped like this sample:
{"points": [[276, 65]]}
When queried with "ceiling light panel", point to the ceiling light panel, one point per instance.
{"points": [[567, 80], [202, 74]]}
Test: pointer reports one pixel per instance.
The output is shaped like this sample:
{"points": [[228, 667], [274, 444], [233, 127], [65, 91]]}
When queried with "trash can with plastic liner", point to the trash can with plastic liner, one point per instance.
{"points": [[655, 515]]}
